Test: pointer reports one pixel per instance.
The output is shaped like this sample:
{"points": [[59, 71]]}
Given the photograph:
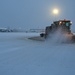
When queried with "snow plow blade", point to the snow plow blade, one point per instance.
{"points": [[37, 38]]}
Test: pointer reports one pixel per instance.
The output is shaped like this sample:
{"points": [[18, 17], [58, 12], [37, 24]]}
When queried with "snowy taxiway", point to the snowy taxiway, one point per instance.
{"points": [[21, 56]]}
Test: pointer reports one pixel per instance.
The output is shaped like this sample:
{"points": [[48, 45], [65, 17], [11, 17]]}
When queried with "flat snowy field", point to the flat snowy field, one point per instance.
{"points": [[20, 56]]}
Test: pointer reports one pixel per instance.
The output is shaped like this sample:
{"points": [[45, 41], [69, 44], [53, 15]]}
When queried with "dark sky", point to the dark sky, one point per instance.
{"points": [[34, 13]]}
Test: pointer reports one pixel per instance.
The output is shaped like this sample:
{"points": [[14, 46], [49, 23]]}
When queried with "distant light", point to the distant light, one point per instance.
{"points": [[55, 11]]}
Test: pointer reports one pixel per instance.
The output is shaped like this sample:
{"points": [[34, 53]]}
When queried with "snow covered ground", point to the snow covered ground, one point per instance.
{"points": [[20, 56]]}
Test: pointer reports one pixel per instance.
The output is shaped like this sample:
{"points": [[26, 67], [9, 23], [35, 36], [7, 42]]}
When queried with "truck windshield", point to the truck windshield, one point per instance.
{"points": [[67, 23]]}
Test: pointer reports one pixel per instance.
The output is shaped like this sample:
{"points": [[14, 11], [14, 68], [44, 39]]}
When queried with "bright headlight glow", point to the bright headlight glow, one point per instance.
{"points": [[60, 22], [71, 23]]}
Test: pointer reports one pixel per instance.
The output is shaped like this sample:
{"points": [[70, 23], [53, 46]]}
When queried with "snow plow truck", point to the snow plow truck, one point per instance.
{"points": [[63, 27]]}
